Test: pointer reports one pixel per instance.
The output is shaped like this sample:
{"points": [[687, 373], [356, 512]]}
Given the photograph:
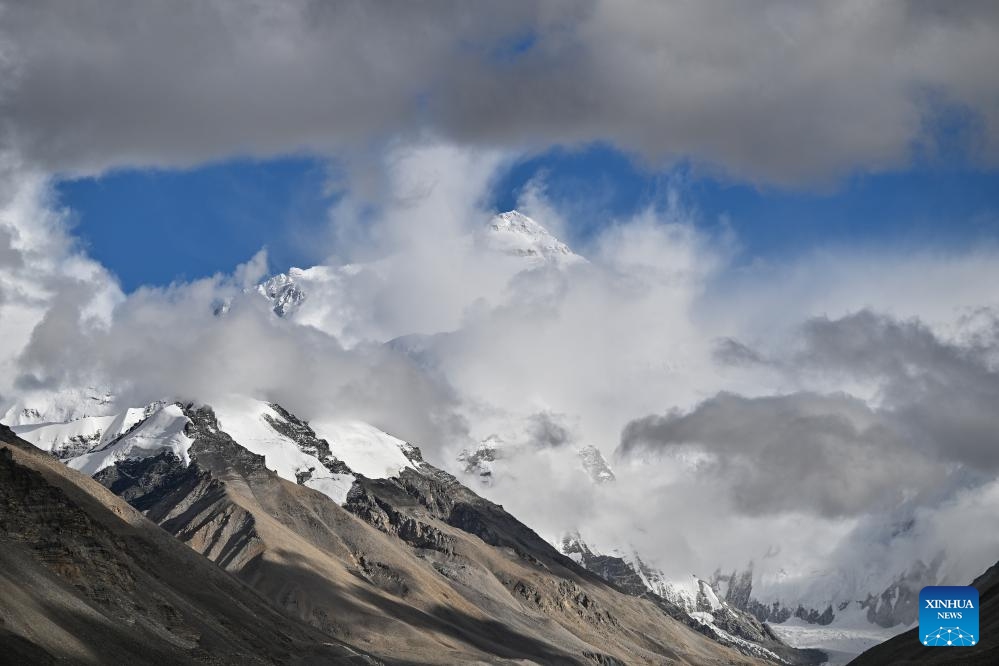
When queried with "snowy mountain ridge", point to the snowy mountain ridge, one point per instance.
{"points": [[326, 459]]}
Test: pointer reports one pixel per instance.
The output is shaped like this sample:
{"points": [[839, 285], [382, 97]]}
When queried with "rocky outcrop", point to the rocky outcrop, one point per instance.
{"points": [[384, 517]]}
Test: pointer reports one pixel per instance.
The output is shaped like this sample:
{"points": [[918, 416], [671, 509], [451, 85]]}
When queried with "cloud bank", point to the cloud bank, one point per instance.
{"points": [[772, 93]]}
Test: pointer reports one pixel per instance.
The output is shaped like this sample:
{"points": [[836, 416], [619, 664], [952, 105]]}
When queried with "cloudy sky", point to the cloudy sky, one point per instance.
{"points": [[784, 337]]}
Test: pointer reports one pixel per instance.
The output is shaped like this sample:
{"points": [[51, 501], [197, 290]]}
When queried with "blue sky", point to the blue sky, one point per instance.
{"points": [[209, 219]]}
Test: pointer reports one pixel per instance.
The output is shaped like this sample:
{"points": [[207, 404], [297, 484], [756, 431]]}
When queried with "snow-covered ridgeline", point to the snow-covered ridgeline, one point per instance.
{"points": [[326, 459]]}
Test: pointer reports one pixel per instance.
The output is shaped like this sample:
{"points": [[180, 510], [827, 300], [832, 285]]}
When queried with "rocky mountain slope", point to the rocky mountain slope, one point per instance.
{"points": [[907, 649], [695, 604], [401, 561], [85, 578]]}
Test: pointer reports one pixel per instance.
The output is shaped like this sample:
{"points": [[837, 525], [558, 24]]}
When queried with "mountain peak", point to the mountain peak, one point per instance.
{"points": [[517, 234]]}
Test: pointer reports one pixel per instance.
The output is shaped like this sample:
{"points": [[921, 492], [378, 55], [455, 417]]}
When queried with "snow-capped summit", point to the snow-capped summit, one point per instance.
{"points": [[321, 296], [516, 234], [595, 464]]}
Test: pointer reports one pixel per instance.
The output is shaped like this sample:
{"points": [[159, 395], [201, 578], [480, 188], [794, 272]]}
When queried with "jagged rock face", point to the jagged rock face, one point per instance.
{"points": [[620, 572], [384, 517], [284, 293], [140, 481], [305, 437]]}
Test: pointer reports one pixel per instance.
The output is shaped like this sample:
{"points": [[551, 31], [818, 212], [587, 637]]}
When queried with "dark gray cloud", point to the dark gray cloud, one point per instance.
{"points": [[776, 91], [943, 390], [932, 428], [828, 454], [548, 430], [10, 257], [729, 351]]}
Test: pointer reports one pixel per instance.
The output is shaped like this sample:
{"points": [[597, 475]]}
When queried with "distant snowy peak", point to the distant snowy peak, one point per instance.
{"points": [[287, 292], [45, 407], [478, 460], [515, 234], [282, 290], [827, 597], [488, 457], [511, 234], [595, 465]]}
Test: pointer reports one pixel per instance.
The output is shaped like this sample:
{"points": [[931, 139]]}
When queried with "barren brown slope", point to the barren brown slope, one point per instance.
{"points": [[906, 648], [84, 578], [425, 572]]}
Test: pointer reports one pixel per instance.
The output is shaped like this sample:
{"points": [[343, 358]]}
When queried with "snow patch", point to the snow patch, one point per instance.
{"points": [[364, 448], [334, 486]]}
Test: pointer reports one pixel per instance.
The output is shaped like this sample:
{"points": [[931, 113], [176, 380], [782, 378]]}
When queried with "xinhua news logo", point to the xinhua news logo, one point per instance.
{"points": [[948, 616]]}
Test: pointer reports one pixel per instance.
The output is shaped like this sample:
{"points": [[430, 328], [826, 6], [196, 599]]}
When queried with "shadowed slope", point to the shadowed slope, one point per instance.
{"points": [[85, 578]]}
